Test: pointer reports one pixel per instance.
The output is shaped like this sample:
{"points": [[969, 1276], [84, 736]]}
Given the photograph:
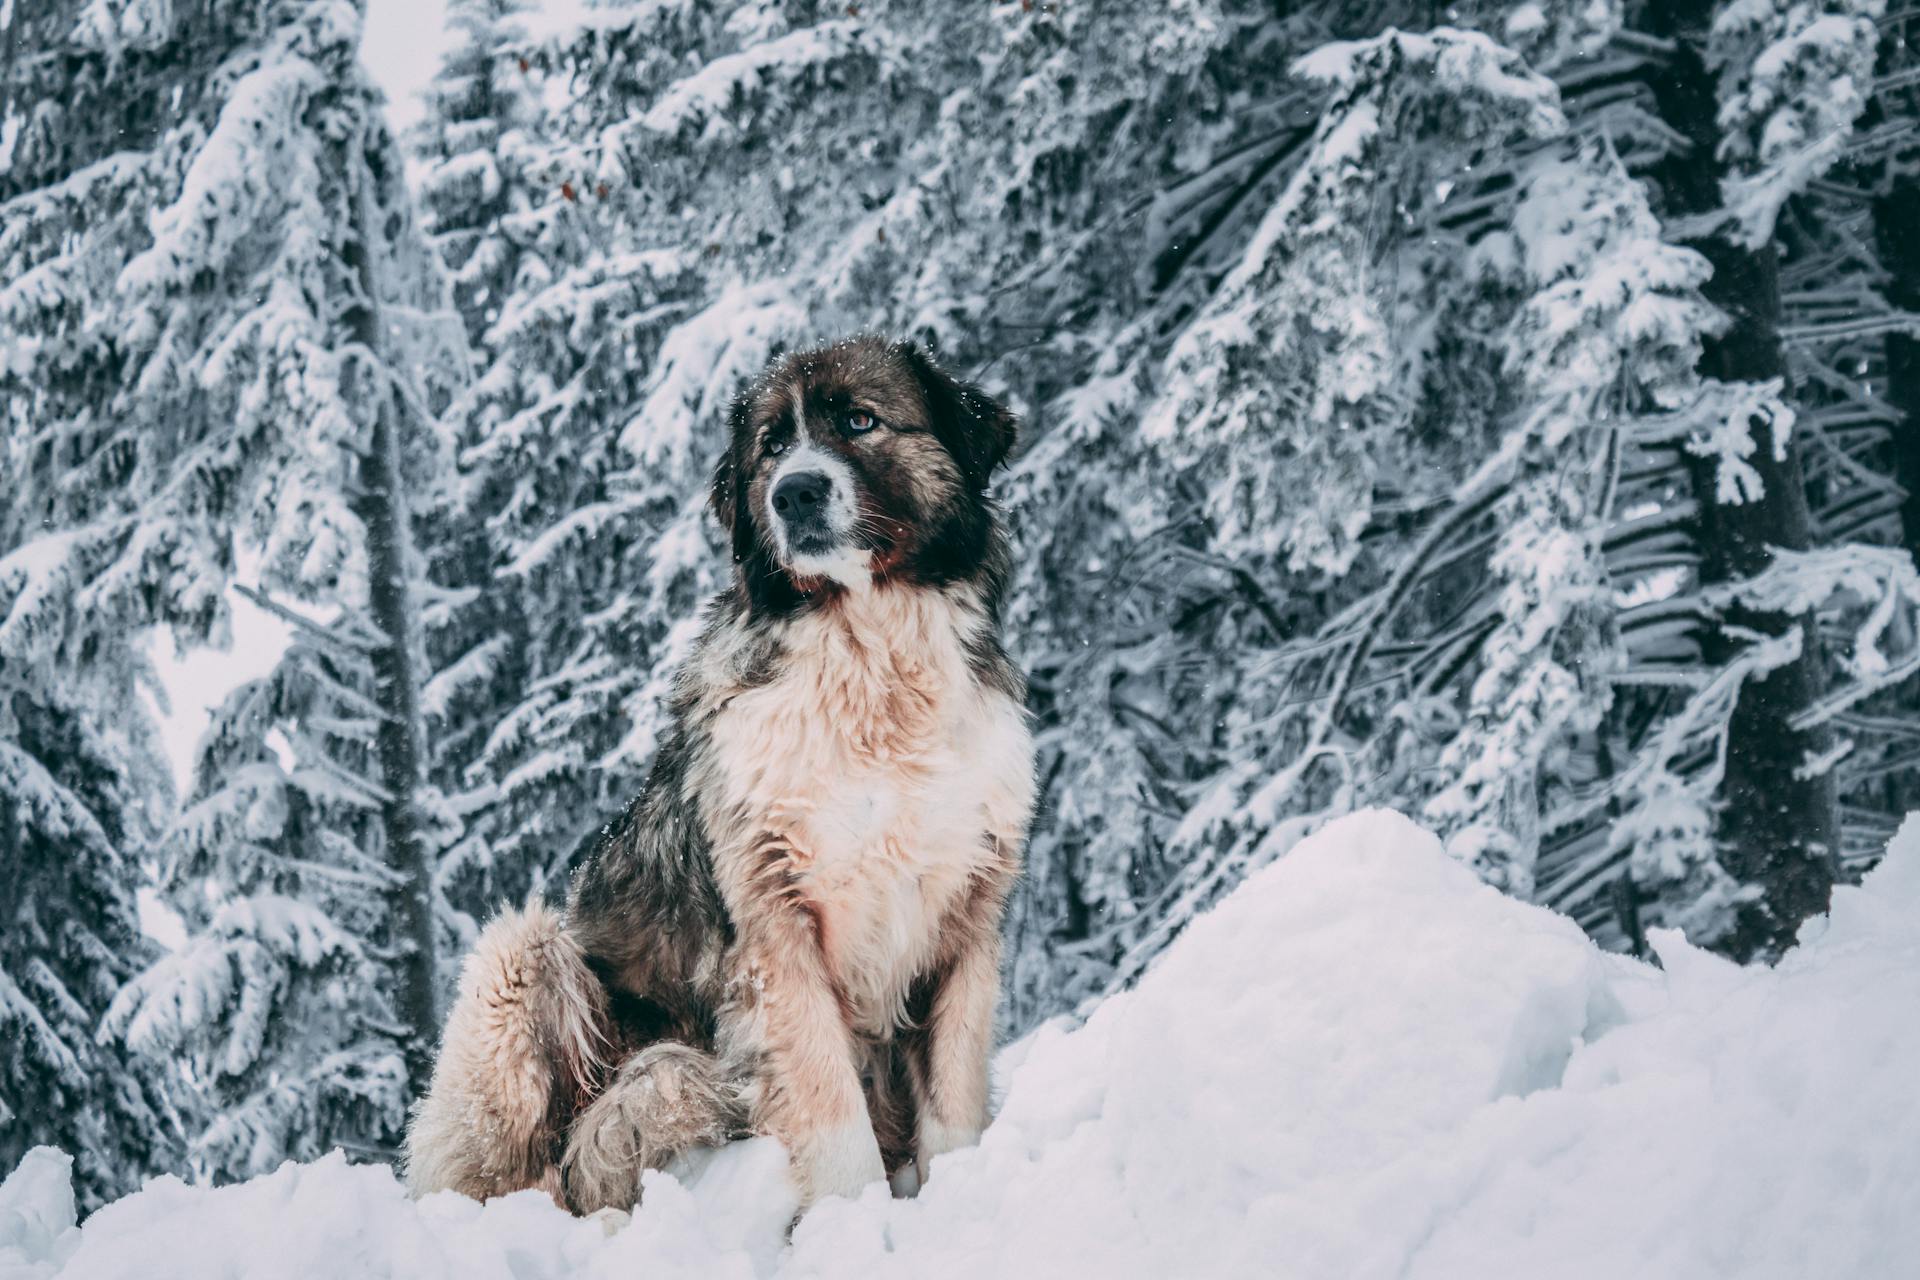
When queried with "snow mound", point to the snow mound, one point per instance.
{"points": [[1363, 1063]]}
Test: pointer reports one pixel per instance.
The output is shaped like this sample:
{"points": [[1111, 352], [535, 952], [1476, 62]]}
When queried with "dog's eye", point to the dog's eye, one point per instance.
{"points": [[776, 447], [860, 421]]}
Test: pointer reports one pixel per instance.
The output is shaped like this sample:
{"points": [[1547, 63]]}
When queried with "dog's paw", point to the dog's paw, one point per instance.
{"points": [[904, 1182], [610, 1220], [937, 1139], [839, 1162]]}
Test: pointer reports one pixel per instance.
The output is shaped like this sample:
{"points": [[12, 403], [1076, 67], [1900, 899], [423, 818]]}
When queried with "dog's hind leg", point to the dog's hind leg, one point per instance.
{"points": [[666, 1099], [524, 1046]]}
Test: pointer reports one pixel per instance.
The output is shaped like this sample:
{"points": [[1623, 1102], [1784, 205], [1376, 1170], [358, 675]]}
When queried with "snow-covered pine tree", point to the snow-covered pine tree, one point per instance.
{"points": [[522, 232], [1848, 313], [1854, 316], [74, 820], [1231, 636], [1602, 346], [473, 151], [279, 999], [1765, 94], [1894, 175], [615, 343], [476, 162], [263, 348], [94, 103]]}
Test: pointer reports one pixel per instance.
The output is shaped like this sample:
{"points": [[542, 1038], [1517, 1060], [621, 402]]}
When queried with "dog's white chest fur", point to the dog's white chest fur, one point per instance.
{"points": [[885, 774]]}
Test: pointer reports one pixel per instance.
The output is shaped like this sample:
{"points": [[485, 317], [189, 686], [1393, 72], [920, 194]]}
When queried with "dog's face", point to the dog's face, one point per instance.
{"points": [[857, 463]]}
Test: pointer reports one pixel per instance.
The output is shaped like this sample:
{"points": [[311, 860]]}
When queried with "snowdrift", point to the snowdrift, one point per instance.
{"points": [[1364, 1063]]}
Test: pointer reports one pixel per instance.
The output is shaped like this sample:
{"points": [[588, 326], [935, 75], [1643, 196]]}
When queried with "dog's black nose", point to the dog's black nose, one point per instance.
{"points": [[801, 494]]}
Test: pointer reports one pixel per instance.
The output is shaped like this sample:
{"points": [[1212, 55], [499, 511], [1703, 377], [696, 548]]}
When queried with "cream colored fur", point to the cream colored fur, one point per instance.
{"points": [[526, 1028], [867, 808], [810, 889], [666, 1100]]}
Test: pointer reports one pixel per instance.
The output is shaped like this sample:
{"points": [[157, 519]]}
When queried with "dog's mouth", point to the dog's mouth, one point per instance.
{"points": [[812, 540], [809, 558], [813, 518]]}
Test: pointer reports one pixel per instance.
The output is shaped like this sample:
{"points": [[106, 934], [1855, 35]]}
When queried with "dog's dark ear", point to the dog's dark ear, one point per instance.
{"points": [[723, 498], [976, 429], [726, 495]]}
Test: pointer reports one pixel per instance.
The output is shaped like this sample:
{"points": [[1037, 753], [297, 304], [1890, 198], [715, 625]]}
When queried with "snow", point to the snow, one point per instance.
{"points": [[197, 680], [36, 1214], [404, 40], [709, 91], [1726, 414], [1363, 1063], [401, 45], [1794, 80]]}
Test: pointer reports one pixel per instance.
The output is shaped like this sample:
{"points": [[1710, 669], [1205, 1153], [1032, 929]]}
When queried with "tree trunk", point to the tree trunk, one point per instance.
{"points": [[1778, 830], [379, 502], [1896, 226]]}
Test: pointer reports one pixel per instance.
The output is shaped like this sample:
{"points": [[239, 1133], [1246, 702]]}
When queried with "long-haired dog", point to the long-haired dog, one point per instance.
{"points": [[795, 929]]}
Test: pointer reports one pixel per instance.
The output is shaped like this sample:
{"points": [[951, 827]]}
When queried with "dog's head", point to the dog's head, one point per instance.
{"points": [[858, 463]]}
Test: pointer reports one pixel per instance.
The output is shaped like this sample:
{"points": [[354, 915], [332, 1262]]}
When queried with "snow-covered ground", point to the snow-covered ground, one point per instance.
{"points": [[1363, 1063]]}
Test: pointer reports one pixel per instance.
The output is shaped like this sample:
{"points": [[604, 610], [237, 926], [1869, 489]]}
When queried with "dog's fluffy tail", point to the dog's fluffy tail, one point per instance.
{"points": [[667, 1099], [525, 1045]]}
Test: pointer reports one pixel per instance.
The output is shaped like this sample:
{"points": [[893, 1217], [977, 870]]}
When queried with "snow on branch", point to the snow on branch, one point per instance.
{"points": [[218, 993], [1290, 368], [329, 638], [702, 98], [475, 666], [1454, 64], [701, 364], [1794, 77], [256, 162], [1723, 420], [1877, 586], [47, 805]]}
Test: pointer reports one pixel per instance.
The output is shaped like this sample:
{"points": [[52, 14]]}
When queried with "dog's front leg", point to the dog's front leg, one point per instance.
{"points": [[951, 1079], [810, 1094]]}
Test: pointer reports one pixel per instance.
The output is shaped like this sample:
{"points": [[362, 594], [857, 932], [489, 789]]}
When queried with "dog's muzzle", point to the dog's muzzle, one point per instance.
{"points": [[802, 500], [810, 505]]}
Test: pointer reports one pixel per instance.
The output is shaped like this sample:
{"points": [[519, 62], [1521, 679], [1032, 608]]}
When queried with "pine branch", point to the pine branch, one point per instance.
{"points": [[326, 637]]}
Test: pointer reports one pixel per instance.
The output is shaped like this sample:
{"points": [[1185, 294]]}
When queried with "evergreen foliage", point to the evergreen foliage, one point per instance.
{"points": [[1504, 420], [1383, 443], [216, 376]]}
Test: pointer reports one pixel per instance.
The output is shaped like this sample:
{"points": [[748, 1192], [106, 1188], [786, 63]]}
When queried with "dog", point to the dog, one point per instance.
{"points": [[795, 928]]}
